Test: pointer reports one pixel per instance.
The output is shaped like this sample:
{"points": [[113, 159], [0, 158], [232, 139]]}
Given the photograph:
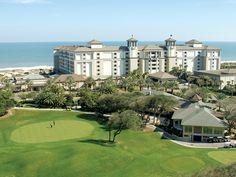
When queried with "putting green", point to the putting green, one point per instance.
{"points": [[225, 157], [42, 132], [183, 165]]}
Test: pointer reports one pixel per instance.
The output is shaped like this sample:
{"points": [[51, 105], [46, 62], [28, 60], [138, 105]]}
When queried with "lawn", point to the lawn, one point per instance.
{"points": [[29, 147]]}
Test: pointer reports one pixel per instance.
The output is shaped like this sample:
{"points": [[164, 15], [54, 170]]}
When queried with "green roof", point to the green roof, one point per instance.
{"points": [[33, 76], [196, 115]]}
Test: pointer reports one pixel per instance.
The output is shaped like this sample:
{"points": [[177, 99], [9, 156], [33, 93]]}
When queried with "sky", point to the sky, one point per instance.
{"points": [[117, 20]]}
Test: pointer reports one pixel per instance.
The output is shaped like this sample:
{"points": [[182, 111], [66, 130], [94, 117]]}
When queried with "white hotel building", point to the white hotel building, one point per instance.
{"points": [[99, 61]]}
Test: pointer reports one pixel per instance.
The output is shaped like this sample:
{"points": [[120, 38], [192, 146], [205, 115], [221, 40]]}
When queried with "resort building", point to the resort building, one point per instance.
{"points": [[225, 76], [162, 77], [197, 123], [30, 82], [74, 80], [99, 61]]}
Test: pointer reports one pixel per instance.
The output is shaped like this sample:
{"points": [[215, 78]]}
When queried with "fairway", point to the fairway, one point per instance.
{"points": [[183, 165], [42, 132], [74, 148], [225, 157]]}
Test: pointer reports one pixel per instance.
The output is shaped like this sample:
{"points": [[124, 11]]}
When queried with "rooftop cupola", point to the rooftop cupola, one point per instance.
{"points": [[95, 44], [170, 41], [194, 43], [132, 42]]}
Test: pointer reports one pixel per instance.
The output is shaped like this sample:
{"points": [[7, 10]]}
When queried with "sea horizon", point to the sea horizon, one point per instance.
{"points": [[35, 54]]}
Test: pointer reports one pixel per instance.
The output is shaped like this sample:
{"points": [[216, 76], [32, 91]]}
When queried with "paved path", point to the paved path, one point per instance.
{"points": [[50, 109]]}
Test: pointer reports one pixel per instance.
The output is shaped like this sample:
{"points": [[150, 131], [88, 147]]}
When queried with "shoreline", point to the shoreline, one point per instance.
{"points": [[228, 61], [25, 68]]}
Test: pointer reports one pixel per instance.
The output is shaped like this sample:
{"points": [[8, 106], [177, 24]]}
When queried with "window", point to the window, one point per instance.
{"points": [[98, 66], [218, 131], [98, 74], [115, 69], [115, 57], [207, 130], [98, 70], [188, 129], [83, 54], [115, 53], [115, 73], [98, 61], [114, 65], [115, 61], [98, 53], [197, 129]]}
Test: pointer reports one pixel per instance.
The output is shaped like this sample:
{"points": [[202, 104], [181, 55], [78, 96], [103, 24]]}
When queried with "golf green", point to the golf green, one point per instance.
{"points": [[43, 132], [225, 157]]}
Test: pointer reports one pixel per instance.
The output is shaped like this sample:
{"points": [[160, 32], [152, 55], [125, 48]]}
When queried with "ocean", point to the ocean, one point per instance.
{"points": [[41, 53]]}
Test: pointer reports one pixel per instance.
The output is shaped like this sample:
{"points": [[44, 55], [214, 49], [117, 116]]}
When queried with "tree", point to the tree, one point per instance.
{"points": [[52, 95], [229, 105], [125, 120], [70, 83], [141, 105], [161, 103], [88, 99], [69, 102], [7, 101], [107, 87], [128, 84], [90, 83], [172, 85], [220, 97], [29, 84], [112, 103]]}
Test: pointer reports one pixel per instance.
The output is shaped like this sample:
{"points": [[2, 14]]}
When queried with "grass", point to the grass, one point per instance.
{"points": [[224, 157], [136, 154], [43, 132]]}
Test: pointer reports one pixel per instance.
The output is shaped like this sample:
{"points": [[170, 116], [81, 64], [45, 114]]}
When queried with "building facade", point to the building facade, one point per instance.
{"points": [[225, 76], [99, 61]]}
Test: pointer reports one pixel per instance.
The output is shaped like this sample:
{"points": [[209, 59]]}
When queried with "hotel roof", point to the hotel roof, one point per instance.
{"points": [[162, 75], [94, 42], [185, 47], [193, 41], [220, 72], [132, 40]]}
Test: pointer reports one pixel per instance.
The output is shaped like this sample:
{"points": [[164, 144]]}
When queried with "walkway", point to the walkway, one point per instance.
{"points": [[51, 109]]}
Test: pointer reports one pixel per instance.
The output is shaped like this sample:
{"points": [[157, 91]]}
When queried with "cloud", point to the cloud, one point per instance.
{"points": [[32, 2], [26, 1]]}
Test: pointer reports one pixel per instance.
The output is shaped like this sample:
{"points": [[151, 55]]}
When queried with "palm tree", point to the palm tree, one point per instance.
{"points": [[90, 83], [199, 82], [70, 83], [29, 84]]}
